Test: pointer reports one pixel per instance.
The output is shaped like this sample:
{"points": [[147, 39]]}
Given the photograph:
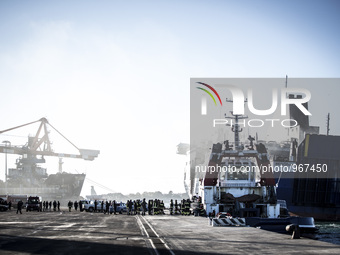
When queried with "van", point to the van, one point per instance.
{"points": [[34, 204]]}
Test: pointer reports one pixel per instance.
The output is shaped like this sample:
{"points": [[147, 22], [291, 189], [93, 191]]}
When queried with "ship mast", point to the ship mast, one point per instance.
{"points": [[328, 119], [236, 127], [287, 97], [60, 165]]}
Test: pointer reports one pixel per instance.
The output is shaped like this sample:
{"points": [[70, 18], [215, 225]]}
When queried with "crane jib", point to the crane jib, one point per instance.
{"points": [[41, 145]]}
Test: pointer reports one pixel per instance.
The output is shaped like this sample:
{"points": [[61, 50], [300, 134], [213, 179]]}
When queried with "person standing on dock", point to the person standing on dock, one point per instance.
{"points": [[76, 205], [114, 204], [138, 206], [143, 207], [171, 207], [54, 205], [129, 204], [187, 207], [181, 207], [176, 207], [150, 203], [135, 206], [19, 205], [155, 207], [58, 205], [107, 207], [161, 207], [95, 205], [69, 205]]}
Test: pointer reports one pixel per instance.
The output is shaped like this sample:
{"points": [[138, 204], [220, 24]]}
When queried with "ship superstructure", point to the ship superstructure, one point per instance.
{"points": [[234, 180], [238, 185]]}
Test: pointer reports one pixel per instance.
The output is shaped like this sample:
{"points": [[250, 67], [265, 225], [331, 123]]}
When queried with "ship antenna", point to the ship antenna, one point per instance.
{"points": [[328, 119], [286, 97], [60, 165], [236, 127]]}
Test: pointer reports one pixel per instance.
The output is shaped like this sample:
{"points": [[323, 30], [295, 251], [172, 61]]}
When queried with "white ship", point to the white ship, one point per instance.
{"points": [[237, 180]]}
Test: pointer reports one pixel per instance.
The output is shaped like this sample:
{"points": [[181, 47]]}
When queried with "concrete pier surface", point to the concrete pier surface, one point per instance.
{"points": [[97, 233], [194, 235]]}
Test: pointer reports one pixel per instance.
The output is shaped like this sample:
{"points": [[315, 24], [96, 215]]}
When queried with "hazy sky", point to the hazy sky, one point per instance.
{"points": [[115, 75]]}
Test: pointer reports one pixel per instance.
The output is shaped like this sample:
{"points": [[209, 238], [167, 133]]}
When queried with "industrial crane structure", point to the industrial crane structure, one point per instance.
{"points": [[29, 178], [38, 145]]}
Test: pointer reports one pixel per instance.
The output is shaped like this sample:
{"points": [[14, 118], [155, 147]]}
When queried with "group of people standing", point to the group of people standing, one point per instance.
{"points": [[136, 206], [47, 206], [153, 207], [157, 207], [101, 206], [182, 208], [70, 204], [133, 207]]}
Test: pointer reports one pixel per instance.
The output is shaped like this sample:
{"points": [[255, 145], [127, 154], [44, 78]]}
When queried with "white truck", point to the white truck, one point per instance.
{"points": [[89, 206]]}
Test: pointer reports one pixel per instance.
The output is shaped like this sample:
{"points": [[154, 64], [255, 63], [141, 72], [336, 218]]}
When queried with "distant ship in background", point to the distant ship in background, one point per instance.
{"points": [[29, 178], [310, 197]]}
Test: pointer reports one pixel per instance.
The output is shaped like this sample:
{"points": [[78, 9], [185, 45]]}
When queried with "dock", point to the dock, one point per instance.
{"points": [[97, 233]]}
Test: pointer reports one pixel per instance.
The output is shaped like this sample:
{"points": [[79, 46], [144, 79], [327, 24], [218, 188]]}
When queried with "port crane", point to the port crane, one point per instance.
{"points": [[40, 144], [28, 173], [29, 178]]}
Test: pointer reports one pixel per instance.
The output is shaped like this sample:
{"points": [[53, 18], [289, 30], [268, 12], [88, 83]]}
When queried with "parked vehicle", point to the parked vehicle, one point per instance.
{"points": [[120, 208], [89, 206], [34, 204], [3, 205], [84, 203], [14, 199]]}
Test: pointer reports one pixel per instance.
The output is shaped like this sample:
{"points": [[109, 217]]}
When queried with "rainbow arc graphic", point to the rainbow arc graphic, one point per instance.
{"points": [[209, 93]]}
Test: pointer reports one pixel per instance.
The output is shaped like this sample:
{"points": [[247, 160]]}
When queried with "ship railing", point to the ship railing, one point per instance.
{"points": [[236, 185], [232, 145], [19, 190]]}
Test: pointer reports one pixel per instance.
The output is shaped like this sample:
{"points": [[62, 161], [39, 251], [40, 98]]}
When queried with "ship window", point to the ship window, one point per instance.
{"points": [[238, 173]]}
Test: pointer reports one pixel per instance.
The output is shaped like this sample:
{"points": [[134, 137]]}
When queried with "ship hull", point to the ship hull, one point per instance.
{"points": [[288, 191], [317, 196], [60, 186], [279, 225], [319, 213]]}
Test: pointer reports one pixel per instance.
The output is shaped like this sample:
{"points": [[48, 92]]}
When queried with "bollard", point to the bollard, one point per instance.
{"points": [[295, 229]]}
